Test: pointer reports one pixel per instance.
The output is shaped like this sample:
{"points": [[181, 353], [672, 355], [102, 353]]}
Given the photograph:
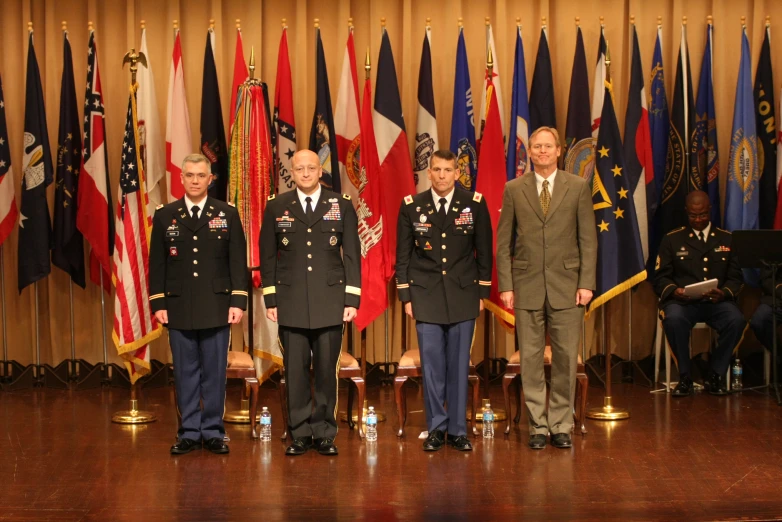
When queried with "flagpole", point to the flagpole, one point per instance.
{"points": [[6, 362], [15, 375], [607, 412]]}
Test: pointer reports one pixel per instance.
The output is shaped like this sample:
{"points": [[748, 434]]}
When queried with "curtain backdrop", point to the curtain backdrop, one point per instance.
{"points": [[117, 26]]}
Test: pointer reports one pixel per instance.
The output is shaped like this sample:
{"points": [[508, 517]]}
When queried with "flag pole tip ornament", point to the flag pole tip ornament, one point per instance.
{"points": [[460, 22], [134, 58], [143, 24], [350, 23], [428, 22], [632, 19], [176, 25], [65, 26], [487, 21], [317, 23], [212, 24], [768, 20], [710, 20], [284, 23], [578, 21], [543, 22]]}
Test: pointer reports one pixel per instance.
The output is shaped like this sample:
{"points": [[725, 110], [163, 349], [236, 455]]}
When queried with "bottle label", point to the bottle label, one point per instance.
{"points": [[371, 421], [737, 371], [266, 421], [489, 417]]}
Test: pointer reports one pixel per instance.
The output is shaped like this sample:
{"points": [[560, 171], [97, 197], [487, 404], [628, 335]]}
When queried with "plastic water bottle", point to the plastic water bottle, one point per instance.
{"points": [[737, 373], [266, 425], [488, 422], [371, 425]]}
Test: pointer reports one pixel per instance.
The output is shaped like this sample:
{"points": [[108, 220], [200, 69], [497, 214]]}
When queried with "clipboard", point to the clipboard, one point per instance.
{"points": [[696, 290]]}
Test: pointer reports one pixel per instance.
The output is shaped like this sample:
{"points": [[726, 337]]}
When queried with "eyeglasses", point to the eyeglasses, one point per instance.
{"points": [[189, 176], [702, 215], [309, 168], [447, 170]]}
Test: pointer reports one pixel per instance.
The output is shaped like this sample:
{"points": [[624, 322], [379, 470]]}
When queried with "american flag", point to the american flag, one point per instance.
{"points": [[8, 209], [93, 217], [134, 323]]}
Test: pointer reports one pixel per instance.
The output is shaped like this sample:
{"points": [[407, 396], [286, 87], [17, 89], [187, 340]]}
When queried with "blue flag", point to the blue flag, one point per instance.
{"points": [[767, 133], [323, 138], [543, 111], [704, 138], [620, 261], [578, 152], [518, 159], [462, 120], [741, 191], [659, 124]]}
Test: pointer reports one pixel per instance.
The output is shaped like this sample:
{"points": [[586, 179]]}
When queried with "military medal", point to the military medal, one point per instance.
{"points": [[172, 251], [285, 241], [333, 241], [423, 218]]}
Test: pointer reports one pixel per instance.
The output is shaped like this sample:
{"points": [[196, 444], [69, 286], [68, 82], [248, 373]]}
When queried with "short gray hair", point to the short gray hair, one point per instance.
{"points": [[197, 158]]}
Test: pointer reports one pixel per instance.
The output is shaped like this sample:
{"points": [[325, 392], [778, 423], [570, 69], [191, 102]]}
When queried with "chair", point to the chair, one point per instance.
{"points": [[349, 368], [410, 366], [513, 370], [658, 341]]}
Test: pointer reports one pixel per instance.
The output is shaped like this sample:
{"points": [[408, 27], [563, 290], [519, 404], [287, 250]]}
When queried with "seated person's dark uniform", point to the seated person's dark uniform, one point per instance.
{"points": [[762, 321]]}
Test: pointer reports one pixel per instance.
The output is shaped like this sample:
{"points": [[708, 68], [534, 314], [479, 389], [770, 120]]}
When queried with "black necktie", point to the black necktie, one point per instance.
{"points": [[442, 212], [195, 210], [308, 206], [703, 237]]}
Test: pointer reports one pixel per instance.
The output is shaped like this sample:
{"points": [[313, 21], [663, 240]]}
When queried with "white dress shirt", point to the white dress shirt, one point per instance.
{"points": [[703, 233], [190, 204], [303, 198], [539, 182], [448, 197]]}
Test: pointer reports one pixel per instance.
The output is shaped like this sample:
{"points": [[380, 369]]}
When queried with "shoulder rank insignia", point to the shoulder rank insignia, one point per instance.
{"points": [[159, 206], [408, 199], [271, 197], [231, 204], [345, 196], [477, 197], [675, 230]]}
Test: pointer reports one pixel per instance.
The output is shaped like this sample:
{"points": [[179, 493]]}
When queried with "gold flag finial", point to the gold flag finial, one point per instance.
{"points": [[487, 21], [90, 27], [518, 22], [543, 22], [143, 24], [251, 67], [238, 24], [350, 23], [460, 22], [29, 27], [659, 21], [768, 20], [134, 58], [684, 20], [284, 23], [428, 22], [602, 21], [212, 24], [65, 26], [176, 25], [578, 21], [317, 23], [367, 65], [383, 22], [709, 20], [743, 22], [632, 19]]}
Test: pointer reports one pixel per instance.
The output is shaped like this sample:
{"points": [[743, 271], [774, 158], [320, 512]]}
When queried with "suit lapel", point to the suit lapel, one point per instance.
{"points": [[694, 243], [295, 206], [321, 208], [531, 193], [560, 190], [182, 216], [204, 216], [453, 211]]}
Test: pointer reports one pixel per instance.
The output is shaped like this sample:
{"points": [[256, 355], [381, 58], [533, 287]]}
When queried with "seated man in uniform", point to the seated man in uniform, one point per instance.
{"points": [[762, 322], [690, 255]]}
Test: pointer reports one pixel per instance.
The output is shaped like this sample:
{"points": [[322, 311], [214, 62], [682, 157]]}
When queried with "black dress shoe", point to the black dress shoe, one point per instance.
{"points": [[684, 388], [537, 442], [217, 445], [460, 442], [434, 441], [299, 446], [561, 440], [185, 446], [714, 386], [326, 446]]}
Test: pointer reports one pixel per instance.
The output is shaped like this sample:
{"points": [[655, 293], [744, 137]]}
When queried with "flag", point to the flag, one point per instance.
{"points": [[323, 138], [741, 190], [284, 122], [578, 152], [620, 262], [152, 153], [491, 184], [496, 87], [374, 299], [639, 166], [346, 123], [8, 210], [462, 119], [178, 141], [35, 227], [396, 171], [426, 120], [212, 129], [705, 152], [241, 74], [541, 96], [678, 181], [250, 180], [598, 84], [778, 214], [94, 209], [518, 141], [766, 133], [659, 125], [134, 323], [68, 251]]}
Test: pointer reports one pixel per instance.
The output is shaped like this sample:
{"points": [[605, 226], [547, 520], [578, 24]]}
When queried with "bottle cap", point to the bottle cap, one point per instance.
{"points": [[371, 408], [265, 408], [488, 405]]}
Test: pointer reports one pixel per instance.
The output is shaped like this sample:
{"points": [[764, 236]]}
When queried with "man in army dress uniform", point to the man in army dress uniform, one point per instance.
{"points": [[690, 255], [311, 276], [198, 289], [443, 271]]}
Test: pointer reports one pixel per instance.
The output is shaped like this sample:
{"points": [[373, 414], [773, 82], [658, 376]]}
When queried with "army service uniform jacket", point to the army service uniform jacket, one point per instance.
{"points": [[310, 268], [684, 259], [444, 268], [197, 269]]}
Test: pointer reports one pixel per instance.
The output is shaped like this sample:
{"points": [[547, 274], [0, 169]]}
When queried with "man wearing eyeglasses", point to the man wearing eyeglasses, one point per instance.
{"points": [[311, 277], [690, 255], [546, 270], [443, 273], [198, 289]]}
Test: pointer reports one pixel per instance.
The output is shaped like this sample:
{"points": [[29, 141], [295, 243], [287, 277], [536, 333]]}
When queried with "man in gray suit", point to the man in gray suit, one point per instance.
{"points": [[546, 264]]}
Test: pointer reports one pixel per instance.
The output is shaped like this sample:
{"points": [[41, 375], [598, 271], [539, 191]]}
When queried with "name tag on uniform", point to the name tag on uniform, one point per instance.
{"points": [[284, 224], [333, 214], [683, 253], [172, 233]]}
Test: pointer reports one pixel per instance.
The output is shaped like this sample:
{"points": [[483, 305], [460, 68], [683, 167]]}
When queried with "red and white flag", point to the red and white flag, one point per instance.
{"points": [[396, 170], [152, 153], [497, 89], [93, 217], [598, 85], [178, 141], [284, 122], [240, 75], [134, 323], [374, 298], [8, 208], [491, 183], [346, 123]]}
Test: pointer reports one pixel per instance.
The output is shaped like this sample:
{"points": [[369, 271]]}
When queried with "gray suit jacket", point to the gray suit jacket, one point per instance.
{"points": [[550, 256]]}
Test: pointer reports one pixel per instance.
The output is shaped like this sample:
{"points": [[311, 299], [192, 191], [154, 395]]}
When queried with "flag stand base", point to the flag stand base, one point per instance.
{"points": [[50, 378], [133, 416], [18, 376], [607, 412], [499, 414], [240, 416]]}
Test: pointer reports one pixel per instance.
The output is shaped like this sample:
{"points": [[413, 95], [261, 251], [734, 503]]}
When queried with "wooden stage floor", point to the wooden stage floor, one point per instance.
{"points": [[702, 458]]}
